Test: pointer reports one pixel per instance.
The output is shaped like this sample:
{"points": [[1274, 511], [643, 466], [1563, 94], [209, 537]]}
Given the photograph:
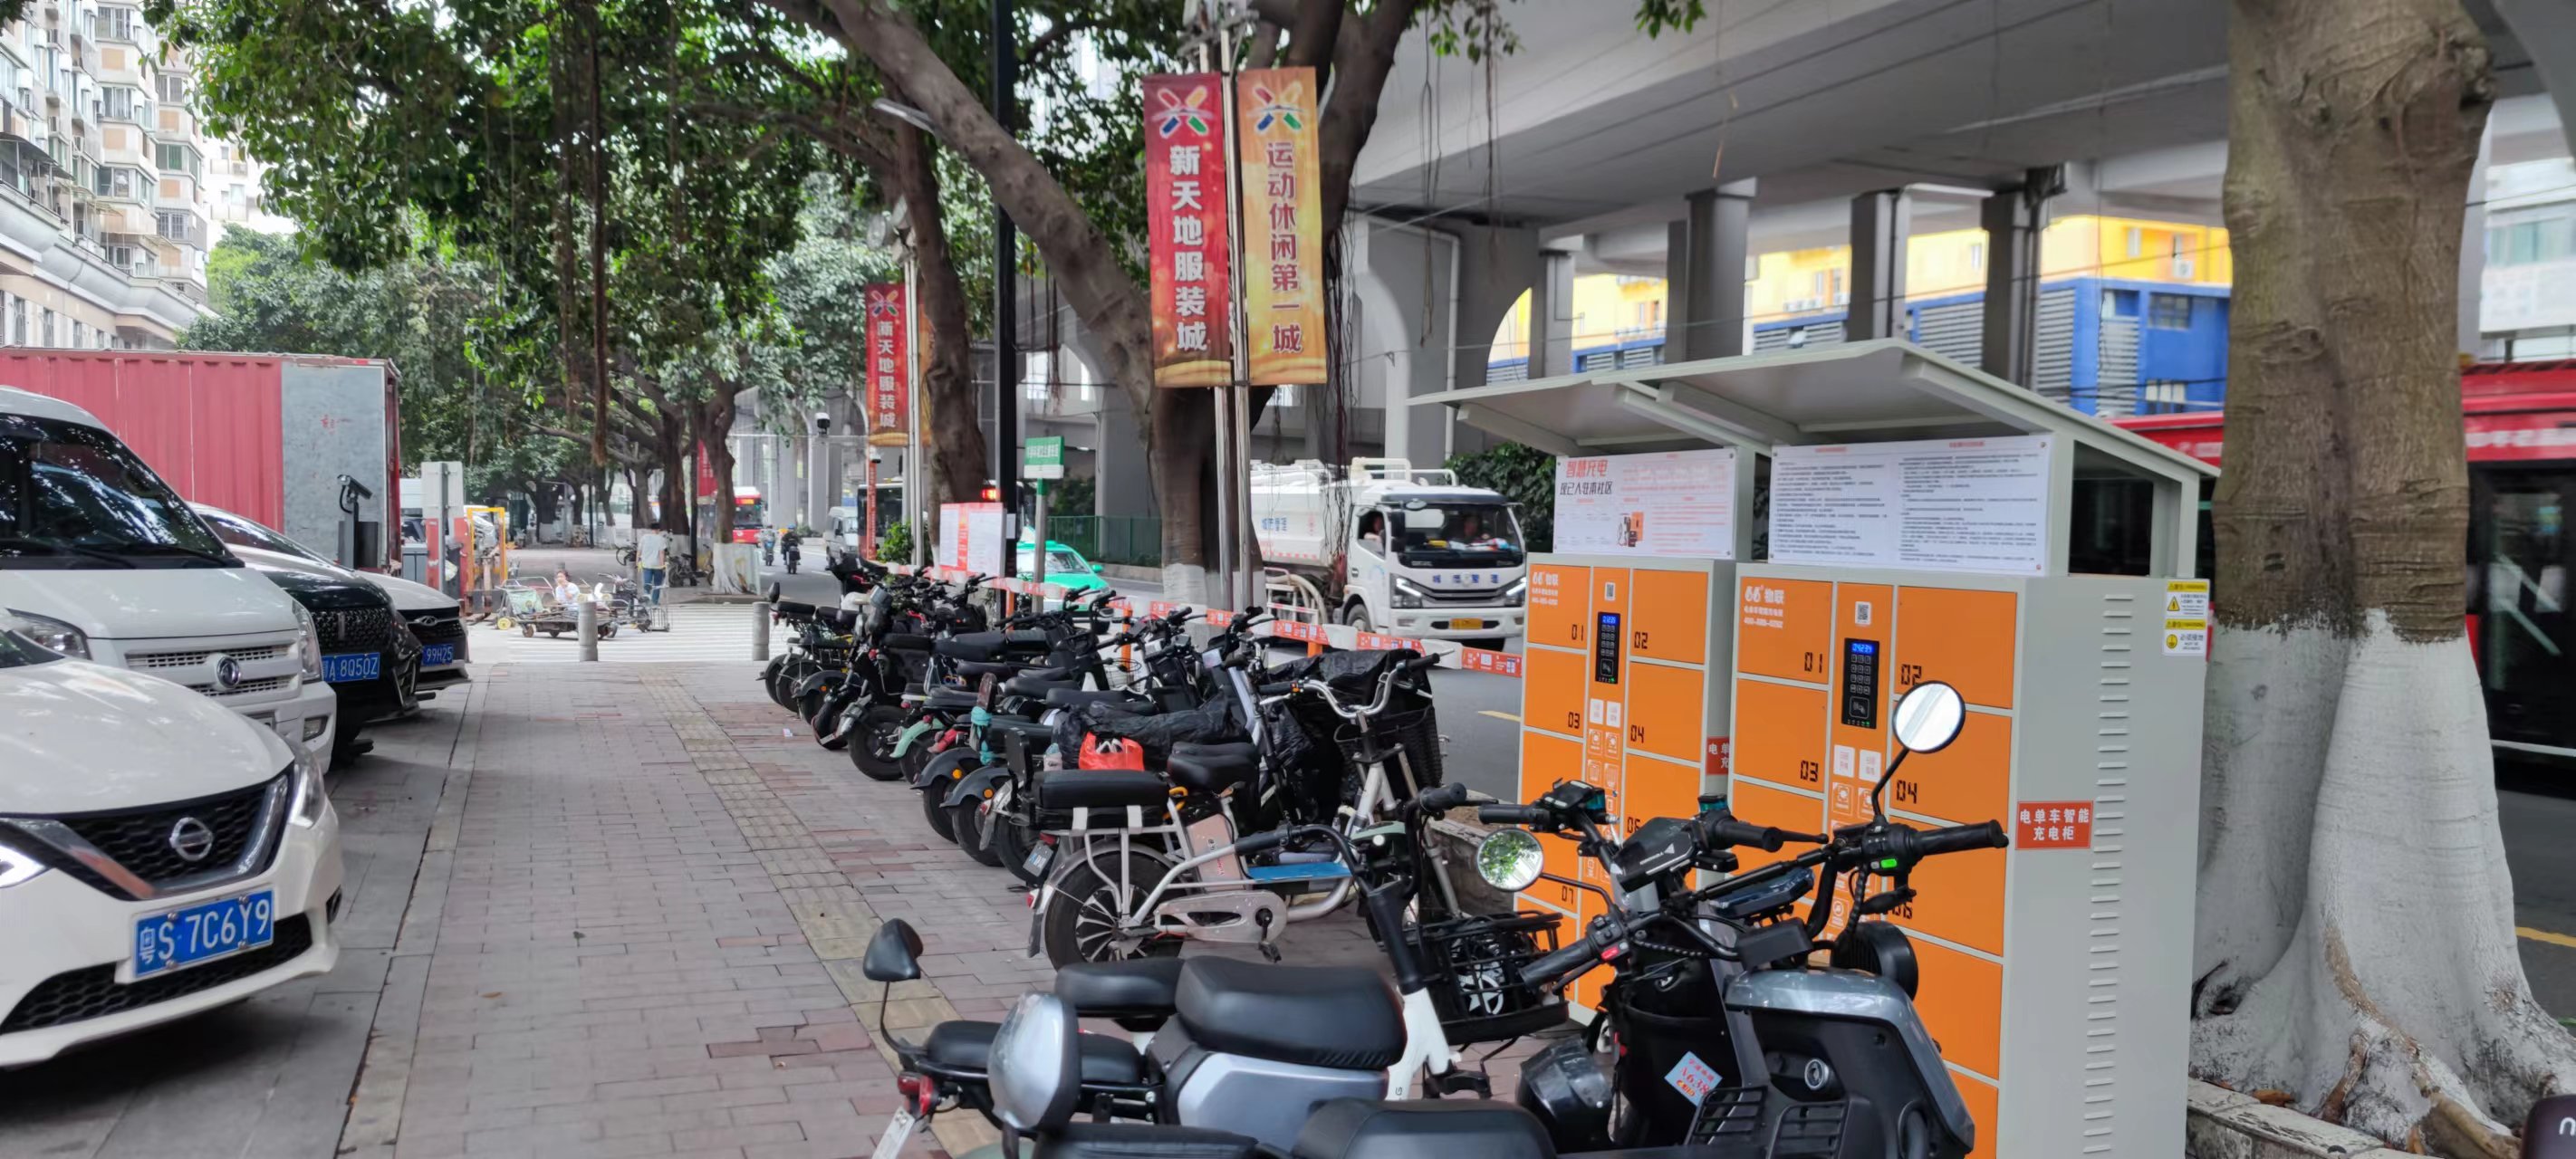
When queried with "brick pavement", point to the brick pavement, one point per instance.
{"points": [[637, 926]]}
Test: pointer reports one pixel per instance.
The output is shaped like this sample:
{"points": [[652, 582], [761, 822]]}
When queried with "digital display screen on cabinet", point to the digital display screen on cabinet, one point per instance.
{"points": [[1860, 683], [1605, 649]]}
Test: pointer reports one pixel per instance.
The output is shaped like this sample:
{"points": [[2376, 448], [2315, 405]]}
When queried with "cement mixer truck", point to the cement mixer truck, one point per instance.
{"points": [[1396, 549]]}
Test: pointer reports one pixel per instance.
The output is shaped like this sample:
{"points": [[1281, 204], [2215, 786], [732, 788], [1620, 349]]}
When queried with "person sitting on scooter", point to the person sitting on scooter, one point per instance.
{"points": [[788, 541]]}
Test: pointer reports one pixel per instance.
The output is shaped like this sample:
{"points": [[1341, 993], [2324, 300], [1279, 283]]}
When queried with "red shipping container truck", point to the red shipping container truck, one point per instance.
{"points": [[267, 436]]}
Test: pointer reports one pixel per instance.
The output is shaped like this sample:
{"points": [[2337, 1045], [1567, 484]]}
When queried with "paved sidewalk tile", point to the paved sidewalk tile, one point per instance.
{"points": [[638, 933]]}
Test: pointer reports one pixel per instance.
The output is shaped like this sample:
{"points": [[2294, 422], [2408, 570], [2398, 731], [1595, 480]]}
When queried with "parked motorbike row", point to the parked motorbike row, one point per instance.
{"points": [[1191, 792]]}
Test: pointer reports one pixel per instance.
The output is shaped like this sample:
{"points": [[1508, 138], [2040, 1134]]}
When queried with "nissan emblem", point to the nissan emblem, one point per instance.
{"points": [[191, 840]]}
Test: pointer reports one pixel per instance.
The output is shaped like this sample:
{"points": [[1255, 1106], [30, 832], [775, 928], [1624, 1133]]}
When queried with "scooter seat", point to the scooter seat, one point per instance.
{"points": [[1145, 1141], [909, 642], [993, 645], [1036, 685], [1210, 772], [1140, 988], [1377, 1129], [950, 699], [1004, 669], [968, 1047], [1119, 699], [1101, 789], [1341, 1017]]}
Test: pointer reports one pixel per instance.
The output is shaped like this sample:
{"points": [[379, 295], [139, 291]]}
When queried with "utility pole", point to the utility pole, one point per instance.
{"points": [[1006, 292]]}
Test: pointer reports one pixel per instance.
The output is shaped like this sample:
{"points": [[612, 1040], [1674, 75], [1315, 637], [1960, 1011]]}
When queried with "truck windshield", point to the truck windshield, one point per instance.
{"points": [[71, 496], [1435, 533]]}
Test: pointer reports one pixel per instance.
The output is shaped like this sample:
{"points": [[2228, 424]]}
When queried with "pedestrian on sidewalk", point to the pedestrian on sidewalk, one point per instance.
{"points": [[653, 554]]}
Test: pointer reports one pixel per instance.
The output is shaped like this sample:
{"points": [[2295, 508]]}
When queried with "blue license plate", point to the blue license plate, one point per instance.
{"points": [[353, 666], [201, 933], [433, 655]]}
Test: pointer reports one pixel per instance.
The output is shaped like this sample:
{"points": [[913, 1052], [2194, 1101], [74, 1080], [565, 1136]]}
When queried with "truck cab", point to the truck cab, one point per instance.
{"points": [[1397, 549]]}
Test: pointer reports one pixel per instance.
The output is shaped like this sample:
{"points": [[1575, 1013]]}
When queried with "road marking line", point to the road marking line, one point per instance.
{"points": [[1498, 715], [2546, 936]]}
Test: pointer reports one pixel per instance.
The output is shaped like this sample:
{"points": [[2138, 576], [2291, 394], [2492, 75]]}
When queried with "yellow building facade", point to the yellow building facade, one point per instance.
{"points": [[1616, 308]]}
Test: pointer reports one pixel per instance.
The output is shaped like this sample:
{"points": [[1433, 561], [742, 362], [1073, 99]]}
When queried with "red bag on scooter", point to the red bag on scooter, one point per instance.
{"points": [[1109, 752]]}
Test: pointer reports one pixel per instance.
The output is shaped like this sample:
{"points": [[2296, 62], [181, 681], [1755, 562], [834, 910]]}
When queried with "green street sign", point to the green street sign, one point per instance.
{"points": [[1042, 459]]}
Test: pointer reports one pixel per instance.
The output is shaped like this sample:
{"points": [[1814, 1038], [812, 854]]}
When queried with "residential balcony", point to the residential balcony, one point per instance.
{"points": [[174, 123]]}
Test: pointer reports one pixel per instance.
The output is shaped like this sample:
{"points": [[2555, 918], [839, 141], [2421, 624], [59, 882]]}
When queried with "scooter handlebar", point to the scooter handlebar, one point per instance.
{"points": [[1511, 814]]}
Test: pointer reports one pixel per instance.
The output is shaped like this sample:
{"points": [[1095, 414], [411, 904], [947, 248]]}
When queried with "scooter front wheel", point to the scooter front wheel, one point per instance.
{"points": [[1085, 920], [872, 743], [968, 820]]}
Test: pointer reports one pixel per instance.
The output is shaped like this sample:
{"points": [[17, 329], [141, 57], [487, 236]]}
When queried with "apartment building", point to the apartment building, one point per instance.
{"points": [[105, 213]]}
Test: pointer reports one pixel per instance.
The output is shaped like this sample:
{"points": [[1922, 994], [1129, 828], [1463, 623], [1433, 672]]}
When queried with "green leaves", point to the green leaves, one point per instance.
{"points": [[1524, 475]]}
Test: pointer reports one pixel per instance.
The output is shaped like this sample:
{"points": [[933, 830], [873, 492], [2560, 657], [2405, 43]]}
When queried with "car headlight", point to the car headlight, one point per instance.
{"points": [[1407, 595], [1517, 594], [53, 634], [308, 642], [310, 795], [17, 867]]}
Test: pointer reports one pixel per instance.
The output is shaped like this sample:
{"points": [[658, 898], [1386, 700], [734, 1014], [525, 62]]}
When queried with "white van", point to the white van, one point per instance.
{"points": [[102, 562]]}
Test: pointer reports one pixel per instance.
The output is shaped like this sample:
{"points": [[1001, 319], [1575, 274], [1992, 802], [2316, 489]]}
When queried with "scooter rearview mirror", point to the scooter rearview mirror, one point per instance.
{"points": [[1929, 717], [1510, 859]]}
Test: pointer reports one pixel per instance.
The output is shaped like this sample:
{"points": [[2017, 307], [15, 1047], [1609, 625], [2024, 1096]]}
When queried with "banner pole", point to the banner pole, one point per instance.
{"points": [[1234, 402]]}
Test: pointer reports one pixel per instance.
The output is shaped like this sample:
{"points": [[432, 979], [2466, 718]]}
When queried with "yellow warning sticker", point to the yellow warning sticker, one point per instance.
{"points": [[2186, 599], [2186, 637]]}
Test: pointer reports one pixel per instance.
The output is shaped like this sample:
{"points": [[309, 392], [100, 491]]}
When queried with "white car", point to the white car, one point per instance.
{"points": [[436, 619], [105, 563], [159, 854]]}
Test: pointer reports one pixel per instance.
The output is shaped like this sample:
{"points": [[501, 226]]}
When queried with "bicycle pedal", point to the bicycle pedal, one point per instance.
{"points": [[1465, 1082]]}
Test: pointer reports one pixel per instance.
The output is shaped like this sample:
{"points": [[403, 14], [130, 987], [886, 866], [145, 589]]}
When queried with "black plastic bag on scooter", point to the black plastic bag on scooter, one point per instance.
{"points": [[1215, 722]]}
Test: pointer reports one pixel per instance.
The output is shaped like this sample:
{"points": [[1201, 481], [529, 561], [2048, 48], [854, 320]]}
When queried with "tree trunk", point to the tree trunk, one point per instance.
{"points": [[956, 451], [2355, 929], [715, 420]]}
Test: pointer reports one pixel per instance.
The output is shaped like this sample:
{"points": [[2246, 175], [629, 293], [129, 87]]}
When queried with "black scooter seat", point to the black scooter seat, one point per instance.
{"points": [[950, 699], [1211, 770], [1377, 1129], [1005, 669], [1342, 1017], [1119, 699], [994, 645], [1101, 789], [968, 1047], [1036, 685], [1138, 988]]}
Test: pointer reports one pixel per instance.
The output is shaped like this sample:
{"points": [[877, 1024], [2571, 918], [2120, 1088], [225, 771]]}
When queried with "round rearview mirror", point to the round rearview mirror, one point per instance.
{"points": [[1509, 859], [1928, 718]]}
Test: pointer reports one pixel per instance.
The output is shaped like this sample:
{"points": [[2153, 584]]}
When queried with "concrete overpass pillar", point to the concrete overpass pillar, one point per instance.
{"points": [[2013, 220], [1122, 478], [1880, 224], [1715, 249], [1551, 343]]}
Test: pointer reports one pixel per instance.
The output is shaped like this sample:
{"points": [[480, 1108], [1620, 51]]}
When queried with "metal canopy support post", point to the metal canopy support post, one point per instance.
{"points": [[1880, 224], [1233, 428]]}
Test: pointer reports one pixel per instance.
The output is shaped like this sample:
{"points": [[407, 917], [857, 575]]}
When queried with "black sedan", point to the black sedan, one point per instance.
{"points": [[369, 658]]}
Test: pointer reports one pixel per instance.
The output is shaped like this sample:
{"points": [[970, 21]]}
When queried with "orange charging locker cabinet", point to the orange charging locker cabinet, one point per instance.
{"points": [[2054, 974], [1623, 686]]}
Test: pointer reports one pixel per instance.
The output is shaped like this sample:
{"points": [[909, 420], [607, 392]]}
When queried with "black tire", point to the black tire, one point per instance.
{"points": [[1357, 617], [1012, 841], [809, 706], [872, 744], [966, 820], [934, 809], [1075, 928]]}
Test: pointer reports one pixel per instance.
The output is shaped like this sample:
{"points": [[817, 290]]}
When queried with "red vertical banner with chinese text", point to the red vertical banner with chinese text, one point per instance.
{"points": [[889, 400], [1186, 221], [1283, 226]]}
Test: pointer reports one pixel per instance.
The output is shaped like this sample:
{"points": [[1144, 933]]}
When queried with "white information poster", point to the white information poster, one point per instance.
{"points": [[1939, 505], [1674, 503], [970, 537]]}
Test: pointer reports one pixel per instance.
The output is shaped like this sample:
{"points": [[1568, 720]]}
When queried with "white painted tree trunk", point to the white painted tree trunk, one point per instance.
{"points": [[2394, 905]]}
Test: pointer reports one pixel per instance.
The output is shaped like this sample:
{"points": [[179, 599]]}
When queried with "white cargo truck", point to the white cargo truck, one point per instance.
{"points": [[1395, 549]]}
